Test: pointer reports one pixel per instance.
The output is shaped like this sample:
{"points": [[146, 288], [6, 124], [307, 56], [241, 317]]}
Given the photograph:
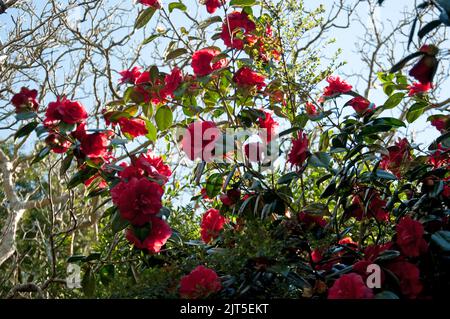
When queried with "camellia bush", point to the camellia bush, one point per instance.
{"points": [[292, 191]]}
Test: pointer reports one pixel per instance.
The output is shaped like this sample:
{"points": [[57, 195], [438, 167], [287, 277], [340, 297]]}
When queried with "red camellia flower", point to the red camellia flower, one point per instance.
{"points": [[130, 76], [200, 283], [410, 237], [231, 197], [299, 151], [25, 100], [234, 24], [310, 220], [418, 88], [199, 140], [269, 125], [398, 154], [375, 206], [64, 110], [133, 127], [246, 78], [157, 236], [440, 123], [151, 3], [360, 105], [202, 62], [350, 286], [426, 67], [148, 165], [138, 199], [57, 143], [211, 225], [213, 5], [311, 109], [409, 277], [92, 145], [172, 82], [336, 86]]}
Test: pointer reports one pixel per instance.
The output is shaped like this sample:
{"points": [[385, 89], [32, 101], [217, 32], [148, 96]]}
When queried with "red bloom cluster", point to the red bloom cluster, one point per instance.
{"points": [[398, 155], [57, 143], [440, 122], [64, 110], [409, 277], [311, 109], [151, 3], [410, 237], [130, 76], [361, 105], [200, 283], [213, 5], [299, 151], [202, 62], [133, 127], [336, 86], [199, 140], [269, 124], [376, 207], [231, 197], [235, 28], [419, 88], [211, 225], [138, 197], [25, 100], [93, 145], [246, 78], [350, 286], [425, 69], [311, 221]]}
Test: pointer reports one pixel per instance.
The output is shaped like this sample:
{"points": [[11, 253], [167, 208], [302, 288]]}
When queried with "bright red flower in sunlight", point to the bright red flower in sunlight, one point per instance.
{"points": [[199, 140], [130, 76], [409, 277], [410, 237], [92, 145], [70, 112], [153, 237], [350, 286], [236, 25], [311, 109], [425, 69], [101, 183], [336, 86], [211, 225], [299, 151], [25, 100], [417, 88], [133, 127], [151, 3], [138, 199], [245, 78], [172, 81], [57, 143], [440, 157], [149, 165], [360, 105], [200, 283], [212, 5], [398, 154], [269, 125], [202, 62]]}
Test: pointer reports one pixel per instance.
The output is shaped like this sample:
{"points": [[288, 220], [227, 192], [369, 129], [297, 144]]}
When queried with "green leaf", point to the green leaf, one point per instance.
{"points": [[93, 256], [41, 155], [209, 21], [25, 130], [75, 258], [117, 222], [394, 100], [386, 295], [175, 54], [287, 178], [26, 116], [65, 164], [164, 118], [214, 185], [106, 274], [88, 283], [242, 3], [442, 239], [151, 38], [152, 132], [415, 111], [81, 177], [177, 5], [144, 18], [320, 159], [385, 175]]}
